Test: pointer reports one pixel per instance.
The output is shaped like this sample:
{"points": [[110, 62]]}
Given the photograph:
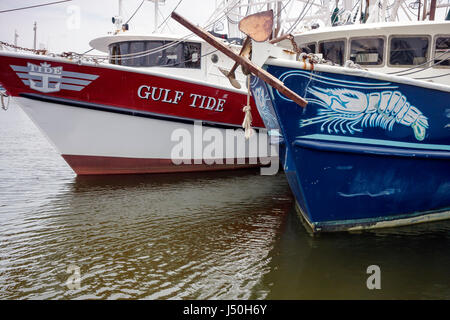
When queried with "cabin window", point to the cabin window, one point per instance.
{"points": [[156, 53], [333, 51], [154, 57], [408, 51], [309, 48], [441, 53], [367, 51], [191, 52]]}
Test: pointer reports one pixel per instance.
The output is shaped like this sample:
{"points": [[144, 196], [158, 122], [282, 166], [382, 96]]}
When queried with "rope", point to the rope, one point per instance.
{"points": [[41, 51], [135, 11], [3, 96], [35, 6], [422, 64], [247, 123], [170, 14]]}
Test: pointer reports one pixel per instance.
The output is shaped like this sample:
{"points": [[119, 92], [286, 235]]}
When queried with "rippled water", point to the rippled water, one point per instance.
{"points": [[222, 235]]}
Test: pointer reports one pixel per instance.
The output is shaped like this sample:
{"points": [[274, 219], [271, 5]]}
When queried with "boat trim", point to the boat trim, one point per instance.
{"points": [[325, 142], [373, 223]]}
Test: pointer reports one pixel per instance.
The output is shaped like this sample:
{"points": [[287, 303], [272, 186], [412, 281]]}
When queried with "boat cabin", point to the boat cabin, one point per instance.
{"points": [[192, 58], [390, 47]]}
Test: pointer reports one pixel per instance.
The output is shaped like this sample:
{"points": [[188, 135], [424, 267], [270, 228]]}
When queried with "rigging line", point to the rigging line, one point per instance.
{"points": [[422, 64], [87, 51], [300, 17], [135, 11], [170, 14], [155, 50], [236, 2], [423, 69], [35, 6], [432, 77]]}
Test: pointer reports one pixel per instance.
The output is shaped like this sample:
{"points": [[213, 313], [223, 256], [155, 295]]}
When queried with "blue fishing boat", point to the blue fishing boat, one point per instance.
{"points": [[363, 149], [369, 150]]}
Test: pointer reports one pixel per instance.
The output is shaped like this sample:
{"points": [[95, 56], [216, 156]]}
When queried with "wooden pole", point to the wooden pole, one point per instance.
{"points": [[418, 12], [432, 9], [257, 71]]}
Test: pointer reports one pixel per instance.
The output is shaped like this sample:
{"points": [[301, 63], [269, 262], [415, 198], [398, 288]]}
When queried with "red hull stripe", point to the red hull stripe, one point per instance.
{"points": [[129, 112], [125, 88], [90, 165]]}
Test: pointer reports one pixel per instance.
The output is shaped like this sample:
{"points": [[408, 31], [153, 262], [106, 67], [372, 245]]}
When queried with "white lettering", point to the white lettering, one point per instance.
{"points": [[220, 105], [165, 96], [146, 93], [178, 96], [194, 100], [211, 103]]}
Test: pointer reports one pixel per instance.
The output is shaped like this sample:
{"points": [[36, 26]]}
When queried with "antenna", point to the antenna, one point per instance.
{"points": [[16, 35], [34, 29]]}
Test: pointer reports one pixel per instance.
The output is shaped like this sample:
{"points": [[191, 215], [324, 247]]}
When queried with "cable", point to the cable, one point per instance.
{"points": [[169, 14], [135, 11], [432, 77], [35, 6], [422, 64]]}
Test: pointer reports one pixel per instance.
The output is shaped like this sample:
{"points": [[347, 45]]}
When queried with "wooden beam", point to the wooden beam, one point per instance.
{"points": [[432, 9], [257, 71]]}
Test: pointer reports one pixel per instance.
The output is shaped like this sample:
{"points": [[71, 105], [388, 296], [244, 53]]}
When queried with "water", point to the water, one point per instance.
{"points": [[223, 235]]}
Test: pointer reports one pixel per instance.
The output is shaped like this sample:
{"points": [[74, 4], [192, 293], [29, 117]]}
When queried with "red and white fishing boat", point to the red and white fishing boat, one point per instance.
{"points": [[119, 116]]}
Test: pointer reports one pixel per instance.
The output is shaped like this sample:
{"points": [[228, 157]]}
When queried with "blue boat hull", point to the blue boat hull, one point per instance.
{"points": [[365, 152]]}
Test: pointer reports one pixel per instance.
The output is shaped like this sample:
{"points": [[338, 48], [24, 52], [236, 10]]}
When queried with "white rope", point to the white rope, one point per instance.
{"points": [[3, 96], [247, 123]]}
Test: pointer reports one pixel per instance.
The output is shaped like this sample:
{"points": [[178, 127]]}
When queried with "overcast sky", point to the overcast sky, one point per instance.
{"points": [[58, 28]]}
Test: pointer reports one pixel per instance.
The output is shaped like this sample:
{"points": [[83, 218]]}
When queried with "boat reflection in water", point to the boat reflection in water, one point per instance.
{"points": [[198, 236], [412, 260]]}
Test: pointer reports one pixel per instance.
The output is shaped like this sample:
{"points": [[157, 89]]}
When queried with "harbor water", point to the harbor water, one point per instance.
{"points": [[220, 235]]}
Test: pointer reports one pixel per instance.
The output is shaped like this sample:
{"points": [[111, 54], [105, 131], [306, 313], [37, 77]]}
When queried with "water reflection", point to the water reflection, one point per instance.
{"points": [[232, 235], [202, 236], [414, 262]]}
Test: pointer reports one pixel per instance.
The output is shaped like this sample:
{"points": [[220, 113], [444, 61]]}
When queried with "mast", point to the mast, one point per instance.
{"points": [[34, 29], [394, 11], [156, 15], [278, 23], [120, 8], [425, 5], [418, 12], [16, 35]]}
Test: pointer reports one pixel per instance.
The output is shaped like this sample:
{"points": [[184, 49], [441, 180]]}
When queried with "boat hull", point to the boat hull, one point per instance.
{"points": [[127, 144], [367, 151], [107, 119]]}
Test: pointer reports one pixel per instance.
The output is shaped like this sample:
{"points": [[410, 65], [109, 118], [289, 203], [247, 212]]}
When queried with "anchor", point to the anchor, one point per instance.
{"points": [[258, 27]]}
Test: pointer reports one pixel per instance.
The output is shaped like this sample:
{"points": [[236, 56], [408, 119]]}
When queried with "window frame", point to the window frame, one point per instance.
{"points": [[382, 65], [309, 43], [388, 53], [128, 44], [439, 66], [344, 56]]}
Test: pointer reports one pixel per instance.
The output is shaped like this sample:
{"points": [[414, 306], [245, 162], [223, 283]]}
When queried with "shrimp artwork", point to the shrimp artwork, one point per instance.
{"points": [[344, 110]]}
